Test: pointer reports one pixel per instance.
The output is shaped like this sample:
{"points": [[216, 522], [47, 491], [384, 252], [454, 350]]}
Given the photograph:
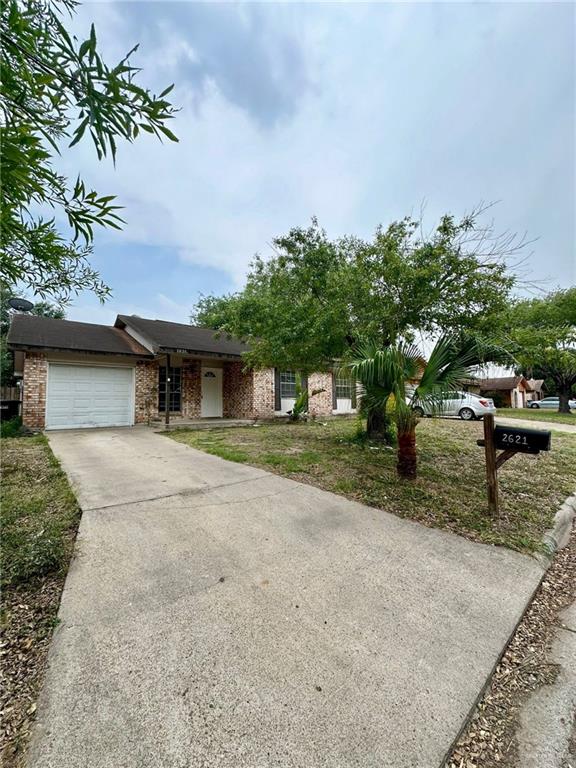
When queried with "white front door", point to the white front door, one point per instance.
{"points": [[211, 392]]}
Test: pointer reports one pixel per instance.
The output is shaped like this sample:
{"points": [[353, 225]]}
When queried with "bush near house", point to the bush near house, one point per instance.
{"points": [[498, 397], [39, 516]]}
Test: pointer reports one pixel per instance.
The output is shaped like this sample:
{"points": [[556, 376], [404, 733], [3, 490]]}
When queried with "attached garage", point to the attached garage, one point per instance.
{"points": [[80, 396]]}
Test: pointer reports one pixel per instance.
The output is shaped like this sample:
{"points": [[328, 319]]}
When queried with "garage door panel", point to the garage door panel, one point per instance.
{"points": [[89, 396]]}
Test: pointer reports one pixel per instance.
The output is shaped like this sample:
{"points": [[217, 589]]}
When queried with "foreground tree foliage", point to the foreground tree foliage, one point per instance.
{"points": [[57, 90], [316, 298], [544, 330]]}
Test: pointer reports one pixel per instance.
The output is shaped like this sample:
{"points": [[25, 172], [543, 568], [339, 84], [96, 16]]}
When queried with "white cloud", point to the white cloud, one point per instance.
{"points": [[388, 105]]}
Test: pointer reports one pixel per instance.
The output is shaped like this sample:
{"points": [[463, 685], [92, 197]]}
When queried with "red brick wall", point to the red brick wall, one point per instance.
{"points": [[191, 389], [263, 393], [34, 390], [237, 392], [320, 404], [146, 398]]}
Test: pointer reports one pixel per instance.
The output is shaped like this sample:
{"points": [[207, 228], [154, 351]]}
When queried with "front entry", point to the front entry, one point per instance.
{"points": [[211, 393]]}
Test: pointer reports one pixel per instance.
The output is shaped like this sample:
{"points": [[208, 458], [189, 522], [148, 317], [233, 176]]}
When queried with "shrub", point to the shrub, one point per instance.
{"points": [[499, 398], [11, 428]]}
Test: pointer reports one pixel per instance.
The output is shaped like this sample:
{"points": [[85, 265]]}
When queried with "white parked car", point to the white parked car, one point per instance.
{"points": [[550, 403], [463, 404]]}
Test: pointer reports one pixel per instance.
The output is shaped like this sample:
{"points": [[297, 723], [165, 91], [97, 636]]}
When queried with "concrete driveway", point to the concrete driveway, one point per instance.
{"points": [[218, 615]]}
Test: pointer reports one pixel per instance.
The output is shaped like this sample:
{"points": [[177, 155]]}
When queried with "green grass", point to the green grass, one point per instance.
{"points": [[10, 427], [538, 414], [450, 490], [39, 512], [39, 517]]}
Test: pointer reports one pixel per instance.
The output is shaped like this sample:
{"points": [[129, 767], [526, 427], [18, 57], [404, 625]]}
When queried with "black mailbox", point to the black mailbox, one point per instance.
{"points": [[521, 440]]}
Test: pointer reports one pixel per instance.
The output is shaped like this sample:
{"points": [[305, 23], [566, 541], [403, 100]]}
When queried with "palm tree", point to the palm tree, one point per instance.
{"points": [[386, 373]]}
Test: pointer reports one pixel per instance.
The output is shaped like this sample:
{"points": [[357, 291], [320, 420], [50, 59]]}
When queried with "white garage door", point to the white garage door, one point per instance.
{"points": [[89, 396]]}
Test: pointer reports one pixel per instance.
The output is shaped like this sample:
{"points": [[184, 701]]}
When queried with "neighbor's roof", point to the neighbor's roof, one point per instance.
{"points": [[536, 384], [32, 332], [505, 383], [167, 336]]}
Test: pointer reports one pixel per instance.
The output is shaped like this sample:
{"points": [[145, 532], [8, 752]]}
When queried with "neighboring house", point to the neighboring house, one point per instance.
{"points": [[471, 384], [86, 375], [508, 391], [537, 387]]}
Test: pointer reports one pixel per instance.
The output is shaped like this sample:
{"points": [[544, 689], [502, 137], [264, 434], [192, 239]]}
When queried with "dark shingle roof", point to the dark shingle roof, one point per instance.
{"points": [[30, 331], [504, 383], [182, 337]]}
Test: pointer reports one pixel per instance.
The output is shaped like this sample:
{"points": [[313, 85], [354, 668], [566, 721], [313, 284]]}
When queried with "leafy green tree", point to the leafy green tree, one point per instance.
{"points": [[55, 91], [544, 330], [314, 299], [292, 309]]}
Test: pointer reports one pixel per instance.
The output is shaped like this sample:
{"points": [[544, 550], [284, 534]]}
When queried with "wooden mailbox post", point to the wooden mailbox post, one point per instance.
{"points": [[511, 440]]}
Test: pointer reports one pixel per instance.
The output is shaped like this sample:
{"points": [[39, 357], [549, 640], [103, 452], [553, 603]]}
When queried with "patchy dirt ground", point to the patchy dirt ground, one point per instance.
{"points": [[28, 619], [489, 741], [39, 521]]}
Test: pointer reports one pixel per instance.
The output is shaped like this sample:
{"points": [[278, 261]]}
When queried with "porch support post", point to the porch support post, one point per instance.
{"points": [[167, 391]]}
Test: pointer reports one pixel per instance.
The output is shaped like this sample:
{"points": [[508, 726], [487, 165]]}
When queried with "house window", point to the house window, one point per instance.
{"points": [[287, 384], [175, 388], [343, 388]]}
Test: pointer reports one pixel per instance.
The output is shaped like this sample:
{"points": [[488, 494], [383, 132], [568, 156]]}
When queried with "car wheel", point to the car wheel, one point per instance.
{"points": [[467, 414], [535, 405], [418, 411]]}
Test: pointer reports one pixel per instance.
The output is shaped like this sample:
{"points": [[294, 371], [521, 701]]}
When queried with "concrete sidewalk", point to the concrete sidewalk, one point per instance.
{"points": [[217, 615], [534, 424]]}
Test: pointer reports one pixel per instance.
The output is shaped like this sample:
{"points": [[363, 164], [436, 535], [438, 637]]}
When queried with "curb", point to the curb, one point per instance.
{"points": [[557, 537], [553, 539]]}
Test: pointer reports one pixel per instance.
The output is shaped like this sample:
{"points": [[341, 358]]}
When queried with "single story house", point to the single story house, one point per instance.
{"points": [[508, 391], [537, 387], [86, 375]]}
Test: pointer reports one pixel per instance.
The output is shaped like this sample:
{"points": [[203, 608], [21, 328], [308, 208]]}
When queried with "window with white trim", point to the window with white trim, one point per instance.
{"points": [[343, 388], [287, 384]]}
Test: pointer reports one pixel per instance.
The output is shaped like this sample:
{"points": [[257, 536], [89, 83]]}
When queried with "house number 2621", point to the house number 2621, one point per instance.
{"points": [[514, 439]]}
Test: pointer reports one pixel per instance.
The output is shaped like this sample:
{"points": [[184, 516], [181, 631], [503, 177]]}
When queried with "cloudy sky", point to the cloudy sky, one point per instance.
{"points": [[356, 113]]}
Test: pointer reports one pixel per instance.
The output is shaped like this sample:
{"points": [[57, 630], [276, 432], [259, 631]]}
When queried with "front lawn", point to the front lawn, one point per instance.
{"points": [[39, 517], [450, 489], [538, 414]]}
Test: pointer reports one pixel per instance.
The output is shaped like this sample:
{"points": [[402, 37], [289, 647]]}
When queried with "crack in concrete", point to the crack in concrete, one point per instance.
{"points": [[184, 492]]}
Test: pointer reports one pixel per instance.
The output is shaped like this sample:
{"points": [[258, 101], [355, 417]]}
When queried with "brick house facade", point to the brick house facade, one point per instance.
{"points": [[34, 393], [81, 375]]}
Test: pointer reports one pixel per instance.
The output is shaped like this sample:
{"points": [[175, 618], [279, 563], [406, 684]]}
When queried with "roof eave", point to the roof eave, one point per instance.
{"points": [[198, 353], [43, 347]]}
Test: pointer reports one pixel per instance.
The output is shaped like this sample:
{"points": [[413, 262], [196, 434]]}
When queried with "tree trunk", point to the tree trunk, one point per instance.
{"points": [[378, 425], [564, 397], [407, 458]]}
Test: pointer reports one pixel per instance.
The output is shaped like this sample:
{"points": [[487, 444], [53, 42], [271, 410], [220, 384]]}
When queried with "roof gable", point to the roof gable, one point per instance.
{"points": [[31, 331], [179, 337], [504, 383]]}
